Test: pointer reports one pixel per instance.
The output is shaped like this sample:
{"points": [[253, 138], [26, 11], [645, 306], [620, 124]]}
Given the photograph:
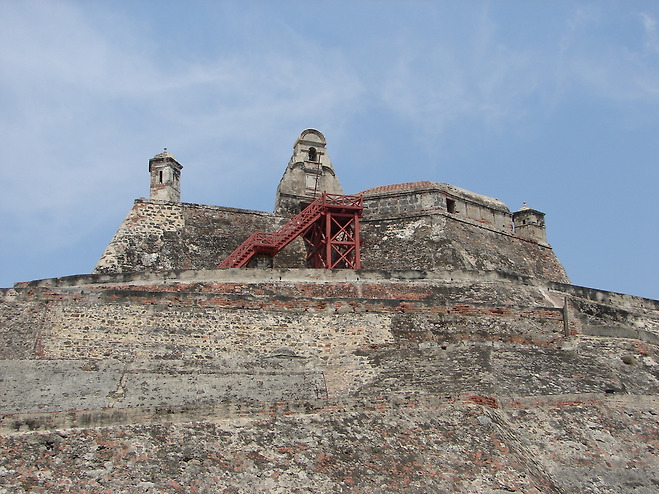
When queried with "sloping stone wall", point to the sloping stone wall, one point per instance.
{"points": [[158, 236], [433, 240], [430, 444], [279, 380]]}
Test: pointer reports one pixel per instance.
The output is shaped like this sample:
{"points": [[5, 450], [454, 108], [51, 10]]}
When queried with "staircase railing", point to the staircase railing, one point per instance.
{"points": [[271, 243]]}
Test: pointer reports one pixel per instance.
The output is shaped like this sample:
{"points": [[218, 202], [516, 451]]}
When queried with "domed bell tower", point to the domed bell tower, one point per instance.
{"points": [[165, 177], [309, 173]]}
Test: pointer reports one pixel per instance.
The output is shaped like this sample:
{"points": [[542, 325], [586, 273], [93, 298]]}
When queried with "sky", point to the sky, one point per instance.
{"points": [[553, 103]]}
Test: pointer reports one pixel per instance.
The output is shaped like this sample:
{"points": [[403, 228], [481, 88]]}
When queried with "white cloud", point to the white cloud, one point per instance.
{"points": [[481, 80], [651, 35], [497, 81], [607, 66], [87, 104]]}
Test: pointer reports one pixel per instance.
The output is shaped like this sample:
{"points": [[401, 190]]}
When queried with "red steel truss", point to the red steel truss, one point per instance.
{"points": [[329, 226]]}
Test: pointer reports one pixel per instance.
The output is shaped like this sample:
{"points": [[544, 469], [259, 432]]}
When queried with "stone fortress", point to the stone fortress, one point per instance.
{"points": [[458, 358], [419, 226]]}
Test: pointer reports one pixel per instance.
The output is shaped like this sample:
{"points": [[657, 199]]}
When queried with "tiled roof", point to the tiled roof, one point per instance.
{"points": [[405, 186]]}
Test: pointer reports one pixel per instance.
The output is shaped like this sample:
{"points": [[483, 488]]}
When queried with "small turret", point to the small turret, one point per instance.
{"points": [[530, 224], [309, 173], [165, 177]]}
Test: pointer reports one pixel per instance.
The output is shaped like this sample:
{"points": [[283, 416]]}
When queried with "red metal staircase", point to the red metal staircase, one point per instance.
{"points": [[329, 226]]}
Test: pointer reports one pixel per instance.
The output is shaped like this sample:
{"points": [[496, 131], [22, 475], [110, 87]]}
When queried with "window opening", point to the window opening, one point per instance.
{"points": [[312, 154], [450, 205], [160, 177]]}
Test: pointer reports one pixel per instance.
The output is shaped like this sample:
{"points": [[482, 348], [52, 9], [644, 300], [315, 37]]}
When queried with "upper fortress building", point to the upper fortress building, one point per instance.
{"points": [[414, 337], [419, 226]]}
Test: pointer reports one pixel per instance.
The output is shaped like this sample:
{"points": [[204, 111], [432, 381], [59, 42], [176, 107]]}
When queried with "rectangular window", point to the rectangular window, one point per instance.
{"points": [[450, 205]]}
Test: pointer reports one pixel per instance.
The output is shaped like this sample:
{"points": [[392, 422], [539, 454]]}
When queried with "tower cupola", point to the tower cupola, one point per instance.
{"points": [[165, 177], [309, 173]]}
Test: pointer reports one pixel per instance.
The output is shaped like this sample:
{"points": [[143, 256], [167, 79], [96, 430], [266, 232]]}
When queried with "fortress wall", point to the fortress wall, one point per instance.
{"points": [[402, 199], [139, 325], [305, 315], [48, 386], [339, 330], [401, 229], [441, 420], [443, 288], [265, 379], [408, 370], [181, 320], [158, 236], [90, 340], [430, 444], [344, 290], [431, 240], [20, 323], [605, 297], [591, 365]]}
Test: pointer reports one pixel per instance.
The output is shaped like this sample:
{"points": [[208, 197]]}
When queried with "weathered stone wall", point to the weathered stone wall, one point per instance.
{"points": [[439, 241], [411, 226], [158, 236], [406, 198], [426, 444], [280, 380], [401, 230]]}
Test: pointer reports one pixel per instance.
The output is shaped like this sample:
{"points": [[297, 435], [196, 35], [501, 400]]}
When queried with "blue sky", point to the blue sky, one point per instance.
{"points": [[554, 103]]}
